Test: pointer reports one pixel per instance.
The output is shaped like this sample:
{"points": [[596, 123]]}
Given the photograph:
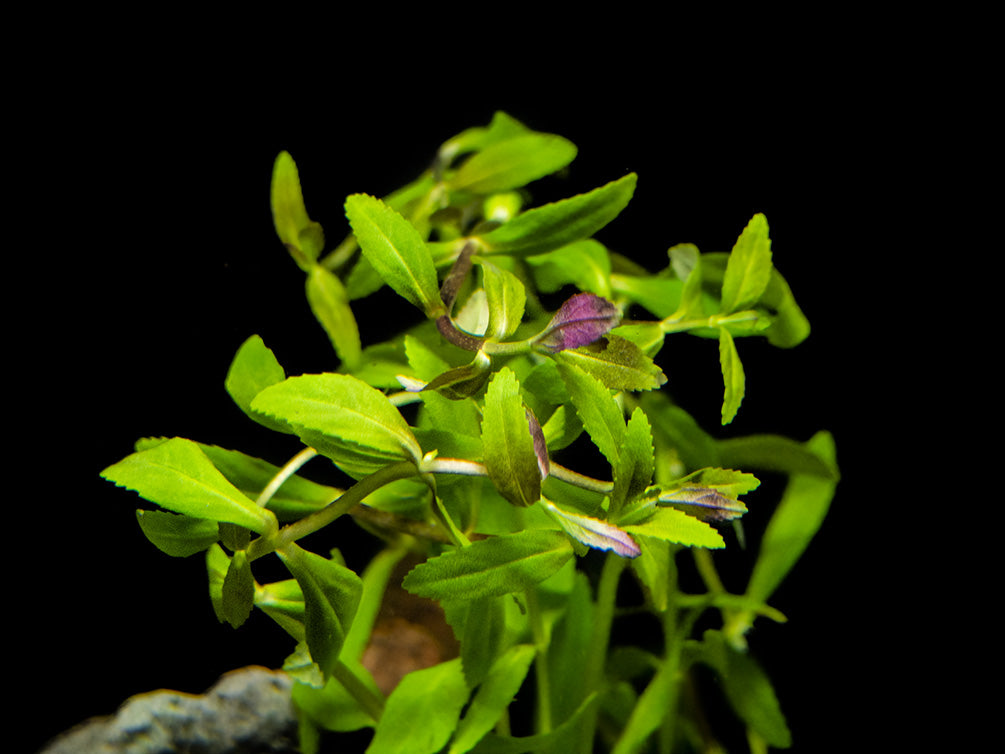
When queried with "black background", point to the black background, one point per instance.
{"points": [[161, 259]]}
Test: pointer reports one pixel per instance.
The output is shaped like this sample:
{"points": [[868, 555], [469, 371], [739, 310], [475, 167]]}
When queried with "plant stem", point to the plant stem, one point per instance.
{"points": [[369, 700], [320, 519], [291, 467], [607, 593], [541, 674]]}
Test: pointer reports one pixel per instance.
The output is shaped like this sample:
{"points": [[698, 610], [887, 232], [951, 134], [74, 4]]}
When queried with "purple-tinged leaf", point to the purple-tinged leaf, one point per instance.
{"points": [[540, 447], [704, 503], [593, 532], [580, 321]]}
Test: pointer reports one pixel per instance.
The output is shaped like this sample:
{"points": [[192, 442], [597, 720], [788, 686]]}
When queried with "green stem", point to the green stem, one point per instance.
{"points": [[541, 674], [607, 593], [320, 519], [291, 467], [369, 699]]}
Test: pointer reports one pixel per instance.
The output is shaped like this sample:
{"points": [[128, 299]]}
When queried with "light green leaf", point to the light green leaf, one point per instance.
{"points": [[653, 568], [552, 226], [238, 590], [217, 564], [330, 303], [686, 262], [637, 461], [422, 711], [732, 376], [396, 250], [795, 521], [617, 362], [331, 594], [283, 601], [601, 416], [512, 163], [552, 741], [343, 418], [178, 476], [658, 700], [506, 300], [491, 567], [302, 236], [502, 127], [749, 267], [510, 459], [178, 536], [672, 525], [253, 369], [493, 697]]}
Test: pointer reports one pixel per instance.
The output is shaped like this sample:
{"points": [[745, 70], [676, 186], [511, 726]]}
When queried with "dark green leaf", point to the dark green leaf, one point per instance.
{"points": [[238, 591], [331, 594], [493, 697], [491, 567], [480, 628], [178, 536], [748, 690], [796, 519], [773, 453]]}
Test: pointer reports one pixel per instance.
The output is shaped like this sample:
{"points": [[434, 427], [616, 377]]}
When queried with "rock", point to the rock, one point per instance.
{"points": [[248, 711]]}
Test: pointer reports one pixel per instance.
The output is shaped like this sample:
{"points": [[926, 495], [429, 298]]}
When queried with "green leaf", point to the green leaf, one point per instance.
{"points": [[502, 127], [178, 476], [601, 416], [773, 453], [749, 267], [795, 521], [671, 525], [330, 303], [396, 250], [302, 236], [343, 418], [238, 591], [686, 262], [553, 740], [295, 498], [217, 565], [493, 697], [178, 536], [617, 362], [480, 627], [748, 689], [593, 532], [552, 226], [585, 264], [506, 300], [491, 567], [513, 163], [637, 461], [253, 369], [283, 601], [658, 700], [510, 459], [732, 376], [331, 594], [422, 711]]}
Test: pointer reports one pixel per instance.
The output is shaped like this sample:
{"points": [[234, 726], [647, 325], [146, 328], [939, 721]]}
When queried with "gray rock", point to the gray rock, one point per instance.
{"points": [[248, 711]]}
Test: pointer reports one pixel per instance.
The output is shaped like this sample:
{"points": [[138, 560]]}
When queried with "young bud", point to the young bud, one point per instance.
{"points": [[580, 321]]}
